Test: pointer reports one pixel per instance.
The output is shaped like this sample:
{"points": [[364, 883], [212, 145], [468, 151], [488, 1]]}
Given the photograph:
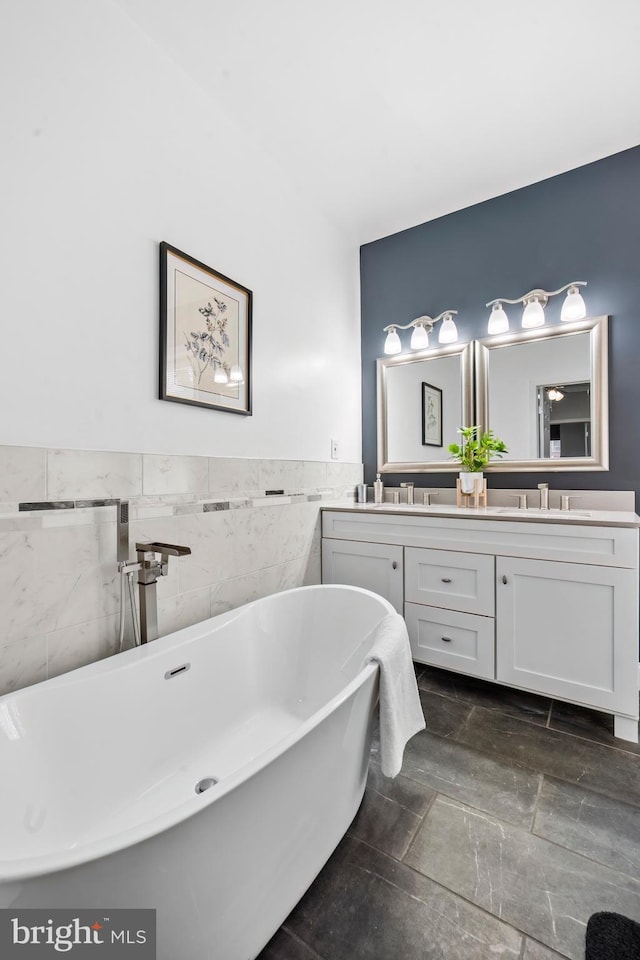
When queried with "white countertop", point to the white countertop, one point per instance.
{"points": [[604, 518]]}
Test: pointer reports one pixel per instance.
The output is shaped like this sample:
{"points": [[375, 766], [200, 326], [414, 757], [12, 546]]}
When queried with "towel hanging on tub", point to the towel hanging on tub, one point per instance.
{"points": [[400, 710]]}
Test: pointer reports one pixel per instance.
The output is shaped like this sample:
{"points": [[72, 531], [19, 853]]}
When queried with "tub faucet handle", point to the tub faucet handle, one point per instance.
{"points": [[165, 549], [426, 497]]}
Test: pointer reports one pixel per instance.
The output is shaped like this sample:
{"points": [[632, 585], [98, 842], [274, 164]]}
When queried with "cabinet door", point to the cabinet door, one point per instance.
{"points": [[374, 566], [568, 630]]}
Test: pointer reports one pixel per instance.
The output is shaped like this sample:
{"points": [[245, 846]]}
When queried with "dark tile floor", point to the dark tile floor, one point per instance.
{"points": [[513, 820]]}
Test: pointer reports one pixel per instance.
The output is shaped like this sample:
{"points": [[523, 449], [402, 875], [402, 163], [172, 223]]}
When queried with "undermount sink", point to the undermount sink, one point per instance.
{"points": [[410, 506], [565, 514], [514, 512]]}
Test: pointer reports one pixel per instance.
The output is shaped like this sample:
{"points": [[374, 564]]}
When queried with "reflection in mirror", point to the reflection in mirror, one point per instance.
{"points": [[422, 400], [564, 420], [544, 392]]}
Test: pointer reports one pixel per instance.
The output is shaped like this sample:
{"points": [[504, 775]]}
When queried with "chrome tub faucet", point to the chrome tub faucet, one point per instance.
{"points": [[149, 569]]}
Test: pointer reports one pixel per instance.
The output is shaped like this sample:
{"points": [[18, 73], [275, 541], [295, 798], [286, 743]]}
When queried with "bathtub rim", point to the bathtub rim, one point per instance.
{"points": [[53, 862]]}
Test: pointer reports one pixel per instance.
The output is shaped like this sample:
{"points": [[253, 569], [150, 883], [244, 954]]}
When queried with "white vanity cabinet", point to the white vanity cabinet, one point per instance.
{"points": [[547, 606]]}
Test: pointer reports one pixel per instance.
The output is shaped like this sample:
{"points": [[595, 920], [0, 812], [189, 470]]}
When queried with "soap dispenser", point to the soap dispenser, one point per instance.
{"points": [[378, 490]]}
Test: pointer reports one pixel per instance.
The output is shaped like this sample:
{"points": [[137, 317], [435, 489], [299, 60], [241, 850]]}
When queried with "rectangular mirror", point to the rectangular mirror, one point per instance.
{"points": [[422, 399], [545, 393]]}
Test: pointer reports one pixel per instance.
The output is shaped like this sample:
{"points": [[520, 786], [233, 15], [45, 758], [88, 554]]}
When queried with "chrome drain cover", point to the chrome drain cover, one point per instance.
{"points": [[205, 783]]}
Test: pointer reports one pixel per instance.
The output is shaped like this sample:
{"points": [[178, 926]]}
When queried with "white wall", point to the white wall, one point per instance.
{"points": [[108, 148]]}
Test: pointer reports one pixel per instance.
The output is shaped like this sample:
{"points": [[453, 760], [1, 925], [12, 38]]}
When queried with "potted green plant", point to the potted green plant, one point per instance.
{"points": [[474, 453]]}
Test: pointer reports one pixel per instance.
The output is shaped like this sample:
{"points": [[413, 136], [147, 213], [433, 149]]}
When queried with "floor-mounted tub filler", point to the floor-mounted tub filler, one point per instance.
{"points": [[208, 775]]}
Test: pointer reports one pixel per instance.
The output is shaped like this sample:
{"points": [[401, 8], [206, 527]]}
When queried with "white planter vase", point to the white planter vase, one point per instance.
{"points": [[468, 481]]}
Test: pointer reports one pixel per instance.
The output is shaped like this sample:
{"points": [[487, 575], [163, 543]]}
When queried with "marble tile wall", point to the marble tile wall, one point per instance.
{"points": [[252, 526]]}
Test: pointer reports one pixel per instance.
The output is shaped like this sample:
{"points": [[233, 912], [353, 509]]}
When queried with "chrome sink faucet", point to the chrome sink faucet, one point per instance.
{"points": [[149, 569], [409, 488], [544, 495]]}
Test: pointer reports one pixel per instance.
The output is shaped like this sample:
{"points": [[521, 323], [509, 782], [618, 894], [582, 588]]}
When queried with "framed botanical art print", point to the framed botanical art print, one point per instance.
{"points": [[431, 415], [205, 335]]}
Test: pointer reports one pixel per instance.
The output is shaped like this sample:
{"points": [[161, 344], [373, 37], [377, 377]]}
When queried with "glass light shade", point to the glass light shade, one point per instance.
{"points": [[220, 376], [533, 314], [498, 321], [235, 374], [574, 307], [448, 330], [392, 343], [419, 337]]}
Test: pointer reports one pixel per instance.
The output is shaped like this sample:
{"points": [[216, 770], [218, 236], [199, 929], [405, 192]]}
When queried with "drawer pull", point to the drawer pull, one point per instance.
{"points": [[394, 565], [504, 578], [446, 579], [446, 639]]}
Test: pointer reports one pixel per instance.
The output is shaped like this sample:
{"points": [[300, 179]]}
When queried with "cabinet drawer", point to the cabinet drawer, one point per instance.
{"points": [[455, 581], [456, 641]]}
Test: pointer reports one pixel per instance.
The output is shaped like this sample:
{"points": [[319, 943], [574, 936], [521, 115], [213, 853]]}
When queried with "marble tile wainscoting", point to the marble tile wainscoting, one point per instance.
{"points": [[59, 583]]}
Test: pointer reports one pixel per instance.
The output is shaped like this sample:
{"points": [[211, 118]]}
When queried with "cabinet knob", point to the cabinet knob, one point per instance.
{"points": [[394, 565], [446, 579], [446, 639], [504, 578]]}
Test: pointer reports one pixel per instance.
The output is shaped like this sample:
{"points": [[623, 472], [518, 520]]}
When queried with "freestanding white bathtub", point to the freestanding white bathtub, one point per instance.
{"points": [[98, 806]]}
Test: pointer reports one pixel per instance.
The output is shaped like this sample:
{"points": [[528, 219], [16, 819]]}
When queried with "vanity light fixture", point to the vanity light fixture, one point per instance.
{"points": [[498, 321], [448, 330], [534, 302], [533, 314], [419, 337], [392, 344], [421, 327], [574, 307]]}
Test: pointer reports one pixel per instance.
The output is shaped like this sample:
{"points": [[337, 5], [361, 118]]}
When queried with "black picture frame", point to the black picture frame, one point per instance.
{"points": [[205, 328], [431, 415]]}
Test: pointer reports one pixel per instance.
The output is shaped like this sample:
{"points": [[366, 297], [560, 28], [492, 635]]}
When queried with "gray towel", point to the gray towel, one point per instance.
{"points": [[400, 709]]}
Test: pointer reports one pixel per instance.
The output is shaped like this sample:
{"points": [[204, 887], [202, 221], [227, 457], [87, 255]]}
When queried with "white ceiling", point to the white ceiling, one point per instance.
{"points": [[391, 112]]}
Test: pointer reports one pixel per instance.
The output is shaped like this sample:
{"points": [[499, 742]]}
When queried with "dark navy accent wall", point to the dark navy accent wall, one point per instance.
{"points": [[581, 225]]}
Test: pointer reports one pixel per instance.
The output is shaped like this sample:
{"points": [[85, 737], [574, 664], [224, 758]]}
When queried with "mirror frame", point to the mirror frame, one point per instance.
{"points": [[466, 352], [598, 329]]}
